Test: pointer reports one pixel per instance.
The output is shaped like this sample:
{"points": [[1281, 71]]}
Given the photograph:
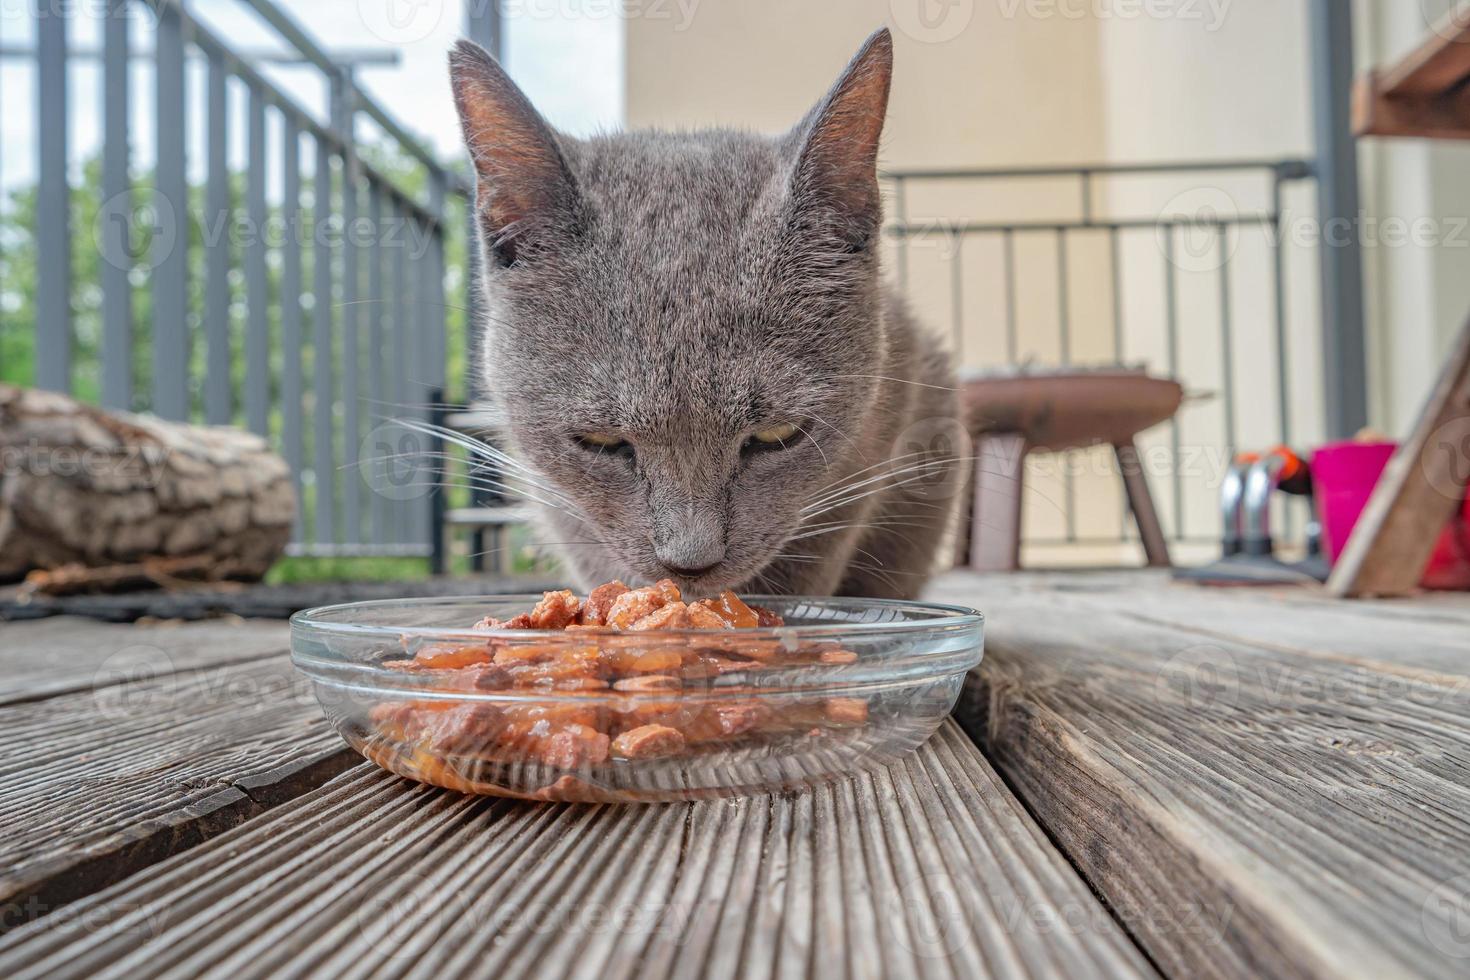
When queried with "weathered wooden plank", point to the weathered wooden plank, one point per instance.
{"points": [[162, 753], [1426, 633], [928, 869], [1245, 808], [45, 657], [1420, 490]]}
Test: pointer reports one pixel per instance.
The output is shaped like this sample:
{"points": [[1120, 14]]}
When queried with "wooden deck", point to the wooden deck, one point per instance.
{"points": [[1167, 780]]}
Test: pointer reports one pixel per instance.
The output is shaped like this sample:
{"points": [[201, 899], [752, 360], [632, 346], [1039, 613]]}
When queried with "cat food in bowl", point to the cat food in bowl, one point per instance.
{"points": [[634, 694]]}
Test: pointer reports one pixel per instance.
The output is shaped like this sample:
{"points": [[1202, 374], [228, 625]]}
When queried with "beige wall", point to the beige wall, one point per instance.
{"points": [[763, 63], [1014, 82]]}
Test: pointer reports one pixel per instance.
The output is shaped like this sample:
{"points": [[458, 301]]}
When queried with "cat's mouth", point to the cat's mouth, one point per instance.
{"points": [[699, 581]]}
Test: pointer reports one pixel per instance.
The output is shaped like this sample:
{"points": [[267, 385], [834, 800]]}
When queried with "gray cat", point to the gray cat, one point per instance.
{"points": [[702, 376]]}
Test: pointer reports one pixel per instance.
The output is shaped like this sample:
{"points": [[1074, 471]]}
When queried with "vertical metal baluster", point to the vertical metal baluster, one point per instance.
{"points": [[1064, 304], [219, 407], [1013, 340], [257, 290], [1116, 264], [324, 466], [1227, 343], [1283, 351], [53, 224], [438, 327], [351, 361], [343, 115], [171, 242], [1064, 344], [292, 339], [117, 197], [957, 295], [439, 313], [378, 506], [421, 352], [399, 346], [1172, 340]]}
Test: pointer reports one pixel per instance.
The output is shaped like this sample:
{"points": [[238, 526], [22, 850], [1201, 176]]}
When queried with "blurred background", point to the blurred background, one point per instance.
{"points": [[248, 212]]}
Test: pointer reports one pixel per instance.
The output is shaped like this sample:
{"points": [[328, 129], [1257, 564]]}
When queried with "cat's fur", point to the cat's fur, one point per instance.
{"points": [[683, 290]]}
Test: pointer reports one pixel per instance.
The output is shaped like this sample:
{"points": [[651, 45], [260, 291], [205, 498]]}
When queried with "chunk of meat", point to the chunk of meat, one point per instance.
{"points": [[673, 616], [636, 604], [440, 657], [837, 657], [702, 617], [600, 602], [521, 621], [735, 614], [767, 617], [575, 746], [649, 742], [846, 711], [556, 611], [527, 653]]}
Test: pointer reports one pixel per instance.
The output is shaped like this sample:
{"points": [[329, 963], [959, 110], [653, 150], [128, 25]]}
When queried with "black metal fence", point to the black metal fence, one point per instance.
{"points": [[305, 308]]}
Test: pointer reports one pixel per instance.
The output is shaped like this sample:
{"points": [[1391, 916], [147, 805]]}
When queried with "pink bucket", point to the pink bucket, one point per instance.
{"points": [[1343, 477]]}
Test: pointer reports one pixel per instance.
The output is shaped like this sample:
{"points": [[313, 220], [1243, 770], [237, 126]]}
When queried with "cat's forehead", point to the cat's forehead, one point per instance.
{"points": [[650, 188]]}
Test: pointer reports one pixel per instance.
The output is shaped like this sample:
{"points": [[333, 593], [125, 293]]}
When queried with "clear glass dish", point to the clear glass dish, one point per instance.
{"points": [[846, 684]]}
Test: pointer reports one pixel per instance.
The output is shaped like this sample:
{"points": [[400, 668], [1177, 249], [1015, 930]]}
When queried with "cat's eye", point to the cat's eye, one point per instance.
{"points": [[781, 436], [604, 442]]}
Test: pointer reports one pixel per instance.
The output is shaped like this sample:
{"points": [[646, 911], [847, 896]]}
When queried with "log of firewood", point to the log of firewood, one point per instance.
{"points": [[83, 486]]}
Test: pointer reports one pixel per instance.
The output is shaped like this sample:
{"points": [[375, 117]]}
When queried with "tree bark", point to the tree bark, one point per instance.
{"points": [[84, 486]]}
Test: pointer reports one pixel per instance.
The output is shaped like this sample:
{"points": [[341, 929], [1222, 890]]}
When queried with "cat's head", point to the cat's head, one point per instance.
{"points": [[683, 327]]}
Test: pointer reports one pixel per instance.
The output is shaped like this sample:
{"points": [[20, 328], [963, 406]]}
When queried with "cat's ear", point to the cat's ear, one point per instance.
{"points": [[836, 145], [525, 188]]}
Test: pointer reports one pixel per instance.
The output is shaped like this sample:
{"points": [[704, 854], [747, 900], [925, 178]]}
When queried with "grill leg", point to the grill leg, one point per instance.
{"points": [[1141, 503]]}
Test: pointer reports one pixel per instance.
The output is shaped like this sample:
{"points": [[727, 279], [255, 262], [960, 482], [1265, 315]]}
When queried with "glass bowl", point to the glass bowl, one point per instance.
{"points": [[607, 716]]}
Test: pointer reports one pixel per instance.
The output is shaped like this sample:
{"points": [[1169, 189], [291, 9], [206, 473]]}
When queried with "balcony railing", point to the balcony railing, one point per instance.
{"points": [[302, 295], [1148, 264]]}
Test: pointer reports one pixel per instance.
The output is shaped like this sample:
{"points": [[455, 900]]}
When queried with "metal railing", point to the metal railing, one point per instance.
{"points": [[1086, 202], [304, 308]]}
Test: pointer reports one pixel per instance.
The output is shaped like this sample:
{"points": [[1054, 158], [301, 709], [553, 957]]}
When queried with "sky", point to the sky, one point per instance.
{"points": [[566, 54]]}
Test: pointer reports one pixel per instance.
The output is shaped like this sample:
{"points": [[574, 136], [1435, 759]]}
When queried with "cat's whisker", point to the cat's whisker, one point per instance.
{"points": [[912, 473], [884, 377], [891, 461], [815, 443], [483, 450], [817, 418]]}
